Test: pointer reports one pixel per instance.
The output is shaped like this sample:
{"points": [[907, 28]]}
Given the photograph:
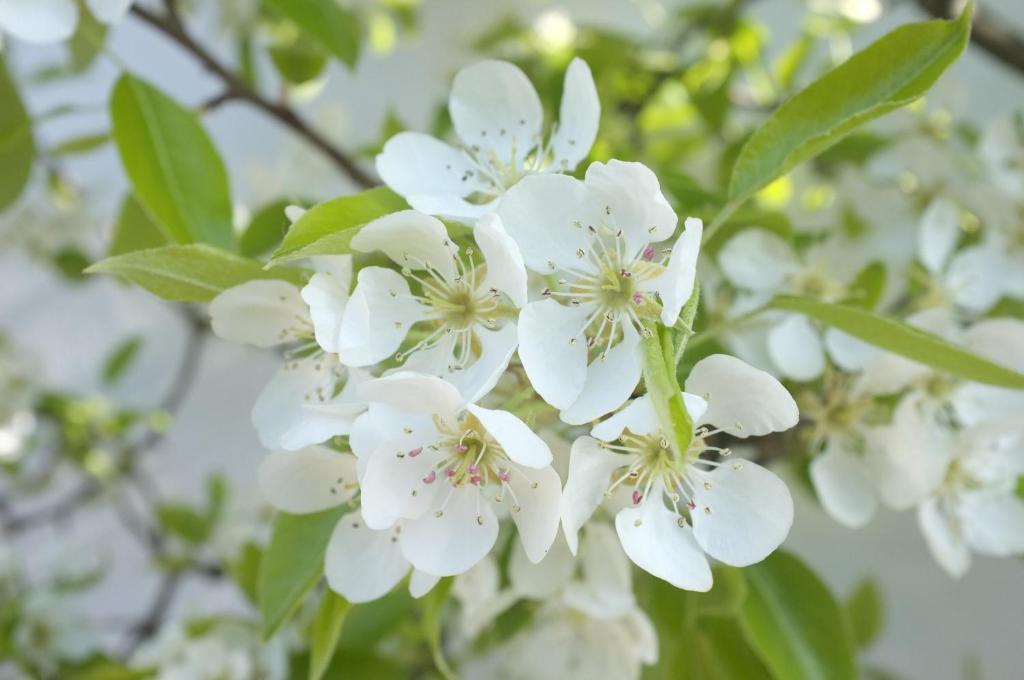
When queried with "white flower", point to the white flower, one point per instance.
{"points": [[47, 21], [969, 279], [762, 264], [361, 564], [1002, 150], [497, 115], [443, 467], [311, 398], [463, 310], [224, 649], [738, 511], [599, 242]]}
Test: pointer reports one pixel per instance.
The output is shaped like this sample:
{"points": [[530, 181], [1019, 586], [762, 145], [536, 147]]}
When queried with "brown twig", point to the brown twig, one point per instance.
{"points": [[235, 88], [989, 31]]}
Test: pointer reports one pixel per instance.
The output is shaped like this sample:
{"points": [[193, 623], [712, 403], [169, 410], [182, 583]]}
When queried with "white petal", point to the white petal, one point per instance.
{"points": [[326, 298], [757, 260], [578, 118], [414, 392], [539, 495], [109, 11], [377, 317], [993, 522], [632, 193], [606, 589], [849, 353], [590, 470], [652, 537], [1000, 340], [505, 269], [743, 512], [794, 345], [263, 313], [362, 564], [913, 458], [514, 436], [39, 21], [307, 480], [675, 284], [338, 266], [742, 400], [610, 381], [638, 416], [889, 373], [945, 544], [494, 107], [974, 279], [411, 239], [422, 583], [938, 234], [496, 350], [553, 350], [541, 214], [398, 486], [452, 543], [544, 579], [843, 486]]}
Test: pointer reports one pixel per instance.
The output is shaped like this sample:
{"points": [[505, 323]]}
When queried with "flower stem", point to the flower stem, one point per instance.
{"points": [[663, 388]]}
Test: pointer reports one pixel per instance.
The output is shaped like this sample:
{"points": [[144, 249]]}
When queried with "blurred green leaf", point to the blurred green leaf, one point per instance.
{"points": [[71, 263], [726, 596], [868, 286], [327, 228], [792, 60], [325, 632], [183, 521], [87, 42], [907, 341], [135, 229], [173, 166], [368, 623], [120, 359], [245, 568], [432, 605], [333, 27], [892, 72], [864, 610], [298, 62], [293, 563], [188, 273], [80, 144], [794, 624], [17, 148], [266, 229]]}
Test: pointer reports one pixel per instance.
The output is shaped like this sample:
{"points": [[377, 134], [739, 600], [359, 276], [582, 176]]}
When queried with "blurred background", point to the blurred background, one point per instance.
{"points": [[62, 331]]}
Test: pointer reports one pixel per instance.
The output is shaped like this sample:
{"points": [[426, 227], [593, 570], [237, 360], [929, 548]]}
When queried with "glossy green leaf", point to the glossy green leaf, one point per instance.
{"points": [[328, 228], [890, 73], [173, 166], [326, 632], [293, 563], [135, 229], [188, 273], [333, 27], [17, 148], [864, 610], [794, 623], [899, 338]]}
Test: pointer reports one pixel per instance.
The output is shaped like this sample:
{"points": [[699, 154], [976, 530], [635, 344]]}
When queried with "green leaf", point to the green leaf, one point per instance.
{"points": [[245, 569], [80, 144], [328, 228], [868, 286], [120, 359], [135, 229], [726, 596], [433, 606], [173, 166], [794, 624], [265, 231], [899, 338], [334, 28], [293, 563], [87, 42], [188, 273], [17, 148], [326, 632], [864, 611], [892, 72], [183, 521], [298, 62]]}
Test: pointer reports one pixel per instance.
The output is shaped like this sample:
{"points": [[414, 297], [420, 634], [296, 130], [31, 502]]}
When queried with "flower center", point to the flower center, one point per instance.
{"points": [[813, 282]]}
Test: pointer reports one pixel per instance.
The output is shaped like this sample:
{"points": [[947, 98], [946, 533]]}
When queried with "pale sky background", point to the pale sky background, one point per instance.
{"points": [[934, 624]]}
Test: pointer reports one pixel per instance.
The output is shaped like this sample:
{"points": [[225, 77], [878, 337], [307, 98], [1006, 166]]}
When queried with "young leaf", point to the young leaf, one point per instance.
{"points": [[327, 228], [892, 72], [188, 273], [907, 341], [135, 229], [794, 624], [173, 166], [865, 613], [293, 563], [17, 148], [120, 359], [325, 21], [326, 632]]}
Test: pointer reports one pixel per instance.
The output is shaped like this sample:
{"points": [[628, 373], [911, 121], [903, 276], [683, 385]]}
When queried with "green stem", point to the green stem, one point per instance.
{"points": [[686, 318], [724, 214], [663, 388]]}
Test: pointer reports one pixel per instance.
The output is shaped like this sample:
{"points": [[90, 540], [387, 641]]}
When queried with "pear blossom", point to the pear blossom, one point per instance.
{"points": [[361, 564], [463, 309], [761, 265], [443, 467], [730, 509], [311, 397], [604, 243], [49, 21], [498, 118]]}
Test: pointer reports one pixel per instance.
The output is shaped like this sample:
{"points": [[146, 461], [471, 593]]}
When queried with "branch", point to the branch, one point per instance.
{"points": [[990, 32], [235, 88]]}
